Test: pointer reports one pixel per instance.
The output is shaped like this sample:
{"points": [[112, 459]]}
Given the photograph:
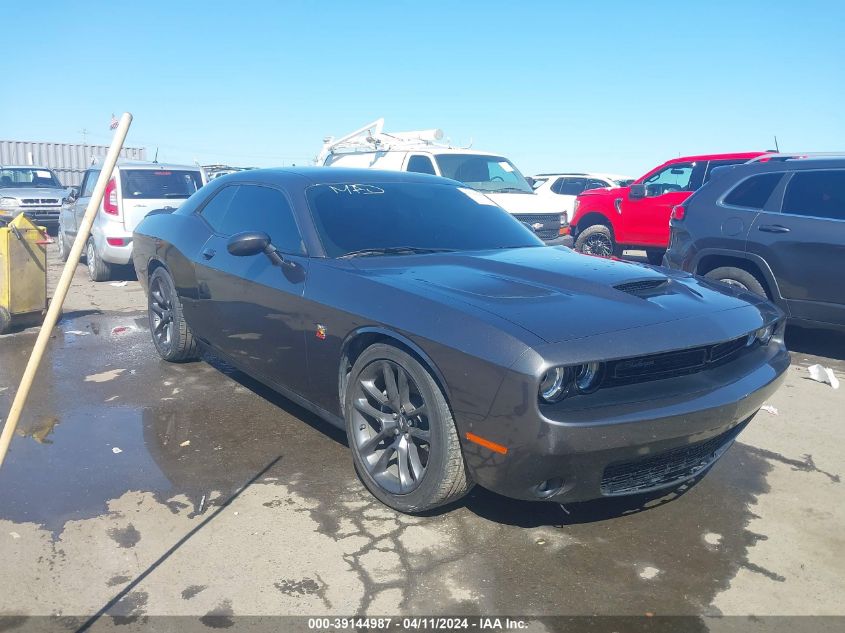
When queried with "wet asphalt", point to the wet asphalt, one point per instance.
{"points": [[124, 464]]}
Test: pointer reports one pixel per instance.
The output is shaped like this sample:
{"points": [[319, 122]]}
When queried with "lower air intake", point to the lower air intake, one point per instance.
{"points": [[664, 469]]}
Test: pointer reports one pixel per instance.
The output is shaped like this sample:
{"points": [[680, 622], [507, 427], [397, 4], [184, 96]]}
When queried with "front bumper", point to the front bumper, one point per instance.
{"points": [[48, 218], [639, 438]]}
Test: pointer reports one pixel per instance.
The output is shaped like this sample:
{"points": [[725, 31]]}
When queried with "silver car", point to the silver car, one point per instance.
{"points": [[135, 189], [35, 191]]}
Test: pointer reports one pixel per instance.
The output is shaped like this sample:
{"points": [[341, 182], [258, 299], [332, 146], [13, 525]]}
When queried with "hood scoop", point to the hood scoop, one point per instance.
{"points": [[643, 287]]}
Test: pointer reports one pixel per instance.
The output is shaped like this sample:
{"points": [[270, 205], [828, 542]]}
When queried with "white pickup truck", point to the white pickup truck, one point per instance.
{"points": [[420, 151]]}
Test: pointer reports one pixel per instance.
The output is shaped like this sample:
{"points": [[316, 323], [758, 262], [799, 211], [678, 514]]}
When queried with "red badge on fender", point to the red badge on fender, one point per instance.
{"points": [[321, 332]]}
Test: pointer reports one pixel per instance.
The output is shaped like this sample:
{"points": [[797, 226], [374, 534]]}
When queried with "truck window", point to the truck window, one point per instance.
{"points": [[485, 173], [421, 165], [676, 177]]}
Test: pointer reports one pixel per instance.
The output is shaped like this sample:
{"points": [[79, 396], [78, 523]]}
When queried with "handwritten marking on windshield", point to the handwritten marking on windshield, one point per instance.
{"points": [[366, 190]]}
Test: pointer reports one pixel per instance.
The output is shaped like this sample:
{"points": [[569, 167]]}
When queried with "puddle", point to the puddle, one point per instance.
{"points": [[192, 448]]}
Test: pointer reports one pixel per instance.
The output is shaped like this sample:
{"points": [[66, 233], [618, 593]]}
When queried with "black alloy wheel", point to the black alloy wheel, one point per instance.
{"points": [[170, 332], [161, 314], [402, 436], [392, 428]]}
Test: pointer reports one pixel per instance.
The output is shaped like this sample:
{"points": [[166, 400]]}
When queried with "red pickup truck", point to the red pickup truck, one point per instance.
{"points": [[605, 221]]}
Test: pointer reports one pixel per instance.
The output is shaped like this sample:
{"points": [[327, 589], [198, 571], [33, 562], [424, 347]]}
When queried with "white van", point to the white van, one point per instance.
{"points": [[135, 189], [491, 174]]}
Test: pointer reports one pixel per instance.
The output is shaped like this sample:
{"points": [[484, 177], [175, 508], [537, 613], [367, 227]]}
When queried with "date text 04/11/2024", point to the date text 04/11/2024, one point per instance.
{"points": [[417, 623]]}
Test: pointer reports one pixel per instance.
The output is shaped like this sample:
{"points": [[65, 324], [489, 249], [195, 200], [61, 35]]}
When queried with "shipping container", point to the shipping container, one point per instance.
{"points": [[68, 160]]}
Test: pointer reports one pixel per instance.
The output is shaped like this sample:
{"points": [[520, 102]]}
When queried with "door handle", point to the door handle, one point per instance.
{"points": [[208, 253], [773, 228]]}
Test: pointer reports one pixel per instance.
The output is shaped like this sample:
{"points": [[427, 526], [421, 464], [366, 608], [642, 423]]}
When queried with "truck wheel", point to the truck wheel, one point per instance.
{"points": [[597, 240], [98, 270], [738, 278], [5, 320], [404, 444], [655, 257]]}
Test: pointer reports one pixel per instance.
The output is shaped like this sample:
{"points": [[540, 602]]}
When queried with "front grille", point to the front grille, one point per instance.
{"points": [[40, 201], [665, 468], [670, 364], [550, 221]]}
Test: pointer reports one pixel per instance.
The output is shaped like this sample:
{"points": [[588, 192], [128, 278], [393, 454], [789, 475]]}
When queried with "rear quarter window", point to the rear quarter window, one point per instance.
{"points": [[754, 192], [819, 194], [140, 184]]}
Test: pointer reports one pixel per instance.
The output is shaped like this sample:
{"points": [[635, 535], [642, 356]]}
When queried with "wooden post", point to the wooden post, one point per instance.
{"points": [[64, 284]]}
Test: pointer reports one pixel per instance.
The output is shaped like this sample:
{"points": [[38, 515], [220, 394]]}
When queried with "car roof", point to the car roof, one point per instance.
{"points": [[743, 155], [144, 164], [333, 175], [798, 164], [44, 167], [418, 149]]}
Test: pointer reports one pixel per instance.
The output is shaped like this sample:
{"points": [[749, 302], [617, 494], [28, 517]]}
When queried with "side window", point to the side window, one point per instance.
{"points": [[215, 210], [88, 184], [676, 177], [754, 192], [596, 184], [819, 194], [421, 165], [572, 186], [257, 208]]}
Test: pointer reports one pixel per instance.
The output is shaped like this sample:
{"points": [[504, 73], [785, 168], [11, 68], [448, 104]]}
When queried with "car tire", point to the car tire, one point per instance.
{"points": [[98, 270], [410, 463], [597, 240], [655, 257], [64, 251], [738, 278], [171, 334]]}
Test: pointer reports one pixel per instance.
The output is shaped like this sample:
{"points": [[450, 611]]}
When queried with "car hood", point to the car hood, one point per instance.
{"points": [[615, 192], [555, 293], [519, 203], [32, 192]]}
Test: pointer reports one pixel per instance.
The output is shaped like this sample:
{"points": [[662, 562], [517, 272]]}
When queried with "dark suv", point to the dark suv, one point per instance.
{"points": [[776, 226]]}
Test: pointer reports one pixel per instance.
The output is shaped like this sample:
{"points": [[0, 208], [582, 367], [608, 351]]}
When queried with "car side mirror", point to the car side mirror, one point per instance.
{"points": [[72, 193], [248, 243], [254, 243], [636, 191]]}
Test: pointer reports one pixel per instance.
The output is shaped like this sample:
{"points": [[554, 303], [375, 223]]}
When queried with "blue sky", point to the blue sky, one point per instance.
{"points": [[604, 86]]}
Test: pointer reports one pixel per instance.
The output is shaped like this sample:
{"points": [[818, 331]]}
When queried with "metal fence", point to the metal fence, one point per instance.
{"points": [[68, 160]]}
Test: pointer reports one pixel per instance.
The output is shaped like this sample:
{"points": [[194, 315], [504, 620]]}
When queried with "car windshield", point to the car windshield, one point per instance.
{"points": [[159, 183], [20, 177], [492, 174], [398, 218]]}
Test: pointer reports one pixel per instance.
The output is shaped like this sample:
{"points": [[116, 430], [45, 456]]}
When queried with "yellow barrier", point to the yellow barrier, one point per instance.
{"points": [[23, 273]]}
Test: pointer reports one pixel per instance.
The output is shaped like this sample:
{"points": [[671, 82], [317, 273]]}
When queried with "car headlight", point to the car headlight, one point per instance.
{"points": [[588, 377], [559, 382], [555, 384], [764, 334], [6, 203]]}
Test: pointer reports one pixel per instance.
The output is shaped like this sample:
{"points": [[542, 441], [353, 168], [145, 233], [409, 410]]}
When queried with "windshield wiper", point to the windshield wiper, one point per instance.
{"points": [[394, 250]]}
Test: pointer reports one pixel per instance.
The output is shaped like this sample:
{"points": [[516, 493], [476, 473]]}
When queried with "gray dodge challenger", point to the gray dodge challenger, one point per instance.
{"points": [[450, 343]]}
